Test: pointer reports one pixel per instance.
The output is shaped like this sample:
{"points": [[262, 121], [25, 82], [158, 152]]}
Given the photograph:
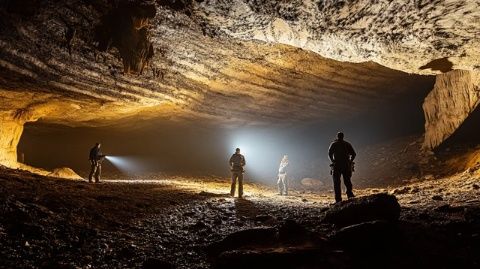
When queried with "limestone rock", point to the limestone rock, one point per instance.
{"points": [[380, 206], [413, 36], [64, 172], [454, 97], [10, 132], [191, 60]]}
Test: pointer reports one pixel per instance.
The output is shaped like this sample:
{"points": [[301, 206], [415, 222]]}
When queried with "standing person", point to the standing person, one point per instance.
{"points": [[282, 176], [237, 163], [95, 158], [341, 154]]}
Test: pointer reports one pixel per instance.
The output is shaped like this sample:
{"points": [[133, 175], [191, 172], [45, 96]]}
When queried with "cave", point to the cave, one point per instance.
{"points": [[120, 122]]}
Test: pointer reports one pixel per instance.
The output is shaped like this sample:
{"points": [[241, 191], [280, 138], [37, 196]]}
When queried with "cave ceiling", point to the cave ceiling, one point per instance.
{"points": [[94, 62]]}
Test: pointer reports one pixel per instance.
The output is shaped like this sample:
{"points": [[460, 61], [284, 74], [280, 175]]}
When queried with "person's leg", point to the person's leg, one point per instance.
{"points": [[240, 185], [347, 180], [98, 173], [337, 188], [285, 184], [232, 188], [279, 184], [282, 184], [93, 167]]}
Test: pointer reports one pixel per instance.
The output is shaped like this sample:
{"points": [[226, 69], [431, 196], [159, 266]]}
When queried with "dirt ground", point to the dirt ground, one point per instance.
{"points": [[56, 223]]}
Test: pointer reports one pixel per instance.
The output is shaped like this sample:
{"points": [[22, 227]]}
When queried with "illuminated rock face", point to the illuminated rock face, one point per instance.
{"points": [[412, 36], [10, 132], [233, 62], [454, 97], [191, 74]]}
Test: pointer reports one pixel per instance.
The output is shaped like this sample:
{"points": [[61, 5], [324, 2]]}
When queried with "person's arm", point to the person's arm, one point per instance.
{"points": [[230, 162], [330, 152], [353, 154], [98, 155], [243, 161]]}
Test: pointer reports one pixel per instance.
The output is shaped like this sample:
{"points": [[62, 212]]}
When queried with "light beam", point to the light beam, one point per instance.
{"points": [[125, 164]]}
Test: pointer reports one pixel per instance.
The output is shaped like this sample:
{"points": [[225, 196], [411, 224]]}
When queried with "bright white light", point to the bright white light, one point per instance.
{"points": [[243, 149], [262, 152], [125, 164]]}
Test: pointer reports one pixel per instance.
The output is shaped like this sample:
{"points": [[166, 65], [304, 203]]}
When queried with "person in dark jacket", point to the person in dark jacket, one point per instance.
{"points": [[237, 163], [341, 154], [95, 157]]}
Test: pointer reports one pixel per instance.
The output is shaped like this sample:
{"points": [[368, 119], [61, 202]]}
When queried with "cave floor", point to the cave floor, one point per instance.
{"points": [[55, 223]]}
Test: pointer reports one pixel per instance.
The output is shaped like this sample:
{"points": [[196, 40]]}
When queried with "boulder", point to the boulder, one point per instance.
{"points": [[290, 232], [380, 206], [454, 97]]}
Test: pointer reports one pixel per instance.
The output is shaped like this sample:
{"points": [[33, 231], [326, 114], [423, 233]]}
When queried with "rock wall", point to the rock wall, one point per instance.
{"points": [[409, 35], [10, 132], [455, 95], [93, 62]]}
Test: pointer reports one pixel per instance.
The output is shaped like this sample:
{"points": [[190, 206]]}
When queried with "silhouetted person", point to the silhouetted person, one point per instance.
{"points": [[237, 162], [95, 159], [282, 176], [341, 155]]}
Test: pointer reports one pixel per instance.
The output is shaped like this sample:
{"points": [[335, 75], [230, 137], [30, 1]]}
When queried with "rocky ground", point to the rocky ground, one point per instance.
{"points": [[192, 223]]}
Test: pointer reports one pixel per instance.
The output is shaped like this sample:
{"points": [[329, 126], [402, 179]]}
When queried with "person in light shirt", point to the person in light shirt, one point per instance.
{"points": [[282, 176]]}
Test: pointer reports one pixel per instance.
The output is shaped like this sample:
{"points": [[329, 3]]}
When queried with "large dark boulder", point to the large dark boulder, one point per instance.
{"points": [[380, 206], [291, 233]]}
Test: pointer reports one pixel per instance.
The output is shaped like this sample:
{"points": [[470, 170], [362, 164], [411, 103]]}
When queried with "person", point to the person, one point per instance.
{"points": [[237, 163], [95, 159], [341, 155], [282, 176]]}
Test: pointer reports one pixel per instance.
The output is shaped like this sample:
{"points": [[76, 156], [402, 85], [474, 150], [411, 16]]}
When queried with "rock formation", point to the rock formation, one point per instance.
{"points": [[95, 62], [10, 132], [403, 35], [454, 97]]}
